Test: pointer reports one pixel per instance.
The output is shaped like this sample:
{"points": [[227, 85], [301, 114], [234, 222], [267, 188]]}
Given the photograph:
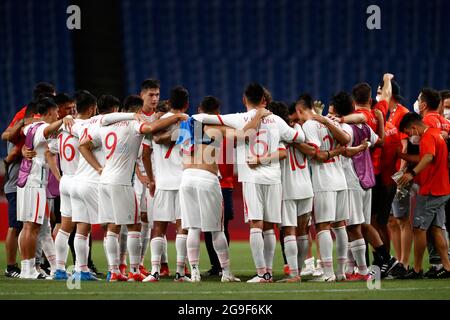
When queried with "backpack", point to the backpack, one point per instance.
{"points": [[26, 164], [362, 162]]}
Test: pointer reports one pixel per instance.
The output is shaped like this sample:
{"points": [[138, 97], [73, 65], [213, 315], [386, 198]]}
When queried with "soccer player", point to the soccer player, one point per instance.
{"points": [[261, 185], [31, 196], [432, 176], [329, 185]]}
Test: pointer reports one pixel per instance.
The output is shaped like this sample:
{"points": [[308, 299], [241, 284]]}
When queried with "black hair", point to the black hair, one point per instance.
{"points": [[163, 106], [150, 84], [444, 94], [31, 110], [106, 103], [280, 109], [254, 93], [43, 88], [431, 97], [62, 98], [306, 101], [179, 97], [133, 103], [84, 100], [342, 103], [361, 93], [210, 104], [408, 120], [292, 109], [43, 106]]}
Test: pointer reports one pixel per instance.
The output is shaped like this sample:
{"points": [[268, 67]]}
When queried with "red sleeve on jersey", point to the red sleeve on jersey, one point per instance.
{"points": [[220, 119]]}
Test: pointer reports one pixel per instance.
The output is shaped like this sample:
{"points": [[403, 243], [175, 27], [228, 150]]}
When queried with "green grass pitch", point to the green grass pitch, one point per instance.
{"points": [[212, 288]]}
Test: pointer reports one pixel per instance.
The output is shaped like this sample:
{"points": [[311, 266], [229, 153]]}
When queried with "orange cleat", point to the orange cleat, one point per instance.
{"points": [[136, 277], [123, 269], [359, 277], [118, 277], [165, 272], [144, 271], [286, 270]]}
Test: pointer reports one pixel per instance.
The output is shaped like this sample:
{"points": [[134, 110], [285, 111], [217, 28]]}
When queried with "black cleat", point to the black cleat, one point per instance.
{"points": [[213, 272], [387, 267], [431, 273], [442, 274], [93, 269], [12, 271], [398, 271], [412, 275]]}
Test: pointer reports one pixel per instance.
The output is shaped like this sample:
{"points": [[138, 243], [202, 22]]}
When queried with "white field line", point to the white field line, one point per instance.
{"points": [[81, 292]]}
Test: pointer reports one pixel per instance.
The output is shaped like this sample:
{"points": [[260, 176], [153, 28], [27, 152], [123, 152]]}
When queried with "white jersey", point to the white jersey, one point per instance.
{"points": [[82, 130], [167, 164], [295, 176], [68, 149], [328, 175], [39, 170], [120, 144], [271, 132], [352, 179]]}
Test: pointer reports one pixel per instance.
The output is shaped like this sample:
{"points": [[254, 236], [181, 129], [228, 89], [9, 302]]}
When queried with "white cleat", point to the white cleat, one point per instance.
{"points": [[341, 277], [309, 268], [195, 275], [325, 278], [266, 278], [318, 272], [229, 278]]}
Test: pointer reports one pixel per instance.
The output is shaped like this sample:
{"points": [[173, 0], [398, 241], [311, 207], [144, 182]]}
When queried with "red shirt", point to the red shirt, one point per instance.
{"points": [[375, 153], [383, 106], [226, 166], [392, 144], [19, 116], [396, 117], [435, 120], [434, 180]]}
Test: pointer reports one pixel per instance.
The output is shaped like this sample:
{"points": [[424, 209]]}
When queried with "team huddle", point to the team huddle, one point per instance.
{"points": [[137, 171]]}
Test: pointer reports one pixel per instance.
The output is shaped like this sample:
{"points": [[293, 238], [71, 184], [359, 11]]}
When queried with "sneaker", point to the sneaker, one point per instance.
{"points": [[413, 275], [387, 267], [60, 275], [136, 277], [213, 272], [180, 278], [12, 271], [442, 274], [325, 278], [195, 275], [152, 278], [144, 271], [229, 278], [165, 272], [318, 272], [358, 277], [286, 270], [118, 277], [432, 272], [340, 277], [398, 271], [290, 279], [258, 279], [123, 269]]}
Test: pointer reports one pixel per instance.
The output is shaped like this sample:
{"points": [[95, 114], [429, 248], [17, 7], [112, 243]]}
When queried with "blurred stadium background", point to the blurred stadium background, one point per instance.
{"points": [[216, 47]]}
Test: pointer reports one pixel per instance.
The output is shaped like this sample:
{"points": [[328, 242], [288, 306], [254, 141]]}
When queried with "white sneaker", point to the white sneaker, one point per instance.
{"points": [[309, 267], [195, 275], [318, 272], [229, 278], [266, 278], [324, 278], [341, 277]]}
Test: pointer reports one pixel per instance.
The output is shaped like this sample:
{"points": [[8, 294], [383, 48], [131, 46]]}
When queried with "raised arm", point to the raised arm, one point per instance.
{"points": [[386, 91]]}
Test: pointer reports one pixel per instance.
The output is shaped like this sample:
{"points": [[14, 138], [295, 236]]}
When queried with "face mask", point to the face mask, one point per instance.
{"points": [[447, 113], [378, 98], [415, 139], [416, 107]]}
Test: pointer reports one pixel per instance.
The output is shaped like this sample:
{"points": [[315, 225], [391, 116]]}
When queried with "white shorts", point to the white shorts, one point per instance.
{"points": [[84, 199], [201, 201], [330, 206], [141, 194], [32, 204], [291, 209], [118, 205], [262, 202], [66, 186], [360, 206], [166, 206]]}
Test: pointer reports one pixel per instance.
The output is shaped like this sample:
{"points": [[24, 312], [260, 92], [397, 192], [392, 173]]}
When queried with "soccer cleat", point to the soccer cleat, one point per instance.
{"points": [[257, 279], [136, 277], [432, 272], [195, 275], [186, 271], [229, 278], [152, 278], [44, 274], [108, 276], [309, 267], [213, 272], [387, 267], [398, 272], [348, 276], [325, 278], [93, 269], [60, 275], [358, 277], [123, 269], [286, 270], [413, 275], [290, 279], [144, 271], [12, 271], [118, 277], [88, 276], [180, 278], [318, 272], [442, 274], [165, 272], [340, 277], [34, 275]]}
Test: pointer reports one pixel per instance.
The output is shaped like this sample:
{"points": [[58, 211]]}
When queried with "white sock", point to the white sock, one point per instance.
{"points": [[181, 247], [302, 249], [24, 267], [341, 248], [62, 249], [112, 248], [165, 256], [193, 249], [326, 251], [80, 244], [145, 238], [31, 266], [291, 252], [106, 253], [257, 247], [134, 250], [48, 246], [220, 244], [350, 266], [358, 248], [156, 246], [270, 243], [123, 238]]}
